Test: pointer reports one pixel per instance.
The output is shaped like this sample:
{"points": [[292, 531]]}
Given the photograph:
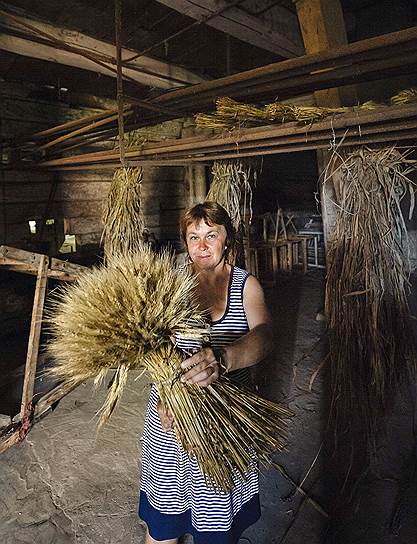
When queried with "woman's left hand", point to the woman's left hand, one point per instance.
{"points": [[201, 368]]}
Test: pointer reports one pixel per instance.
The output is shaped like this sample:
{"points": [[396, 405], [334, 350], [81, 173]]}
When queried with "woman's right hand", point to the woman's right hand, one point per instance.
{"points": [[167, 419]]}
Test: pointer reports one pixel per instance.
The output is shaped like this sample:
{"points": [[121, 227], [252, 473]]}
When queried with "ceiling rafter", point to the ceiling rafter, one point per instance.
{"points": [[33, 38], [283, 38]]}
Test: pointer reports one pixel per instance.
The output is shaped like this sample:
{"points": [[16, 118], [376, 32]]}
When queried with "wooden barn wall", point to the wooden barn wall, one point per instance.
{"points": [[77, 197]]}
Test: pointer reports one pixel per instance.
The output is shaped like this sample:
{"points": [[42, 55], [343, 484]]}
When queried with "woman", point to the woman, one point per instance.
{"points": [[174, 498]]}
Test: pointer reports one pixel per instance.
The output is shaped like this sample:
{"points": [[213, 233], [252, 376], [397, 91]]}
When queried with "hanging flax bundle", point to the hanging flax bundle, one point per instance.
{"points": [[126, 316], [231, 187], [371, 342], [123, 214]]}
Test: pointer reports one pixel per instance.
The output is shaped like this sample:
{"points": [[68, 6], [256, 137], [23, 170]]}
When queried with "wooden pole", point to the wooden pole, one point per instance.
{"points": [[118, 32], [34, 338]]}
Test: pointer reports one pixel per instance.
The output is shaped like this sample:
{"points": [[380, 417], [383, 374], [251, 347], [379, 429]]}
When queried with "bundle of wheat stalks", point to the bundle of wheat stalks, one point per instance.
{"points": [[231, 114], [231, 187], [126, 316], [371, 342], [123, 212]]}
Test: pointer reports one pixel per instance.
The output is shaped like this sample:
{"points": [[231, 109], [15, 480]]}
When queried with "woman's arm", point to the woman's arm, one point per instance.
{"points": [[248, 350]]}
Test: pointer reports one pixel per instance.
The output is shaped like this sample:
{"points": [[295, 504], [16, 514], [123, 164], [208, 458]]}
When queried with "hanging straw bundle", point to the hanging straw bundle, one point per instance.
{"points": [[126, 316], [371, 346], [231, 114], [228, 108], [123, 214], [406, 96], [278, 111], [231, 187]]}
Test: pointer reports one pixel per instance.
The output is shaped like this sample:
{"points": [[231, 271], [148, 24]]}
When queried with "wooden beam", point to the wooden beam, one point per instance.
{"points": [[28, 262], [323, 28], [356, 127], [282, 38], [19, 39]]}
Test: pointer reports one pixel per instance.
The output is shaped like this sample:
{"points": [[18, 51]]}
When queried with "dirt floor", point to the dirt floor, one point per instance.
{"points": [[67, 484]]}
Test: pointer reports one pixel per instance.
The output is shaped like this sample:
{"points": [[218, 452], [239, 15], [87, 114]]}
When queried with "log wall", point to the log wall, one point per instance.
{"points": [[75, 199]]}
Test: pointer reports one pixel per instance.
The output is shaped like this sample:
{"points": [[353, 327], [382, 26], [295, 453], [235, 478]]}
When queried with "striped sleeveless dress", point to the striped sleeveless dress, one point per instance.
{"points": [[174, 499]]}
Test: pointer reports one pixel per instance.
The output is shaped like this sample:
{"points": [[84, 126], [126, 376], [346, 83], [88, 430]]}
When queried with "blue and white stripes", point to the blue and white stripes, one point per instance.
{"points": [[174, 497]]}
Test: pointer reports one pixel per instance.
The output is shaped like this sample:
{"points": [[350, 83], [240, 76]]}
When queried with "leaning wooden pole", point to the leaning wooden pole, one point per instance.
{"points": [[34, 339]]}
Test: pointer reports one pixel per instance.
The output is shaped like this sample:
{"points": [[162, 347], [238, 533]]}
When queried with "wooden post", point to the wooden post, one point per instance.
{"points": [[34, 337], [305, 254], [323, 27]]}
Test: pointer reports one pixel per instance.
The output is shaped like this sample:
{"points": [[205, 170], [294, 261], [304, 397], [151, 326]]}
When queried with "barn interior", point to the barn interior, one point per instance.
{"points": [[90, 87]]}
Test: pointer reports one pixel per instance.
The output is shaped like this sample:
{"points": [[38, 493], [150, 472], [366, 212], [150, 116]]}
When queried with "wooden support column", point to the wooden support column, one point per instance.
{"points": [[34, 338], [323, 27]]}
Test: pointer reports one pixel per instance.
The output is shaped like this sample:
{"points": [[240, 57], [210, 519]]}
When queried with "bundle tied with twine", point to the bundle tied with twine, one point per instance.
{"points": [[231, 114], [371, 340], [123, 212], [127, 315], [231, 187]]}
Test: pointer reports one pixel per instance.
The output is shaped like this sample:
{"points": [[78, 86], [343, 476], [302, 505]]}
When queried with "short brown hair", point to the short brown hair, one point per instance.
{"points": [[212, 214]]}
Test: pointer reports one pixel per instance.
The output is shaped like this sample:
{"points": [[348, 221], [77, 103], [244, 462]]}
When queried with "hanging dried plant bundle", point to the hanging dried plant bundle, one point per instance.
{"points": [[405, 96], [231, 114], [126, 316], [229, 108], [123, 214], [304, 114], [371, 346], [231, 187]]}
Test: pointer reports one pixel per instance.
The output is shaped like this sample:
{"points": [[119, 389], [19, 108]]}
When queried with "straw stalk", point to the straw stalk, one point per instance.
{"points": [[371, 341], [127, 315]]}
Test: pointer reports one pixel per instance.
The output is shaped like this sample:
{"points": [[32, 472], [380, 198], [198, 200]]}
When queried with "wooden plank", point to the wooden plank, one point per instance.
{"points": [[21, 213], [39, 192], [11, 176], [283, 39], [145, 70], [30, 262], [53, 274], [11, 255], [34, 338], [19, 267], [41, 111], [70, 269]]}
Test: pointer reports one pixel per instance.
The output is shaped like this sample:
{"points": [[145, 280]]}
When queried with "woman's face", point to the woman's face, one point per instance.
{"points": [[206, 244]]}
